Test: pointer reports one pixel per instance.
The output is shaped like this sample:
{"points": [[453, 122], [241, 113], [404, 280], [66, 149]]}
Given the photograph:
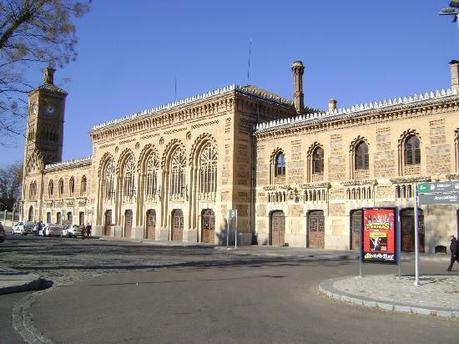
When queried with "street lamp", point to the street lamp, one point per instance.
{"points": [[452, 10]]}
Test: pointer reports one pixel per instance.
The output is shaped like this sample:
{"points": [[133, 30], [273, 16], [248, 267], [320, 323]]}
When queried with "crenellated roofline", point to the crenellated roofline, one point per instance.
{"points": [[247, 90], [356, 110], [86, 161]]}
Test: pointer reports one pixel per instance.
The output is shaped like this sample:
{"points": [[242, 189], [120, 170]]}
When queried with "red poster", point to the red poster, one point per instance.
{"points": [[379, 235]]}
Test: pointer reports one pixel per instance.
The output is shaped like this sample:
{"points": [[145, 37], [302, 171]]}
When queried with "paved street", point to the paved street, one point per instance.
{"points": [[115, 292]]}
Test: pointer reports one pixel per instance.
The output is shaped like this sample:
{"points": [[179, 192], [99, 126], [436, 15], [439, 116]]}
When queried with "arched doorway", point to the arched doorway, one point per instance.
{"points": [[30, 217], [277, 228], [177, 225], [207, 226], [128, 223], [59, 218], [108, 222], [81, 218], [69, 217], [407, 225], [151, 224], [316, 229], [356, 226], [48, 217]]}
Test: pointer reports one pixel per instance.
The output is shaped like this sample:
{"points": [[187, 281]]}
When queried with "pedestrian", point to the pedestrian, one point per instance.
{"points": [[88, 230], [39, 227], [454, 250]]}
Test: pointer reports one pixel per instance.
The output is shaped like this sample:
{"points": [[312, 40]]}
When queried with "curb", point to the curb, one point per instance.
{"points": [[23, 322], [326, 287]]}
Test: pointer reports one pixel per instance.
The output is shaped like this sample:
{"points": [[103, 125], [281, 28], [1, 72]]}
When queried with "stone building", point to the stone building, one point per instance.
{"points": [[295, 177]]}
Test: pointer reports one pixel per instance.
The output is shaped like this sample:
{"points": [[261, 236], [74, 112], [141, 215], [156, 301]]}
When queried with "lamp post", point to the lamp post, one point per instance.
{"points": [[452, 10]]}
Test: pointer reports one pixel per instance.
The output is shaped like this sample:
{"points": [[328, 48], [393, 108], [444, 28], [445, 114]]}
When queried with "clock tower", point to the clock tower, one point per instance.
{"points": [[45, 121]]}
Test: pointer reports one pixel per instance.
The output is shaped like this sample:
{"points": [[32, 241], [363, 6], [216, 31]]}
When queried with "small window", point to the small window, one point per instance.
{"points": [[280, 165], [72, 186], [361, 156], [412, 151], [318, 161]]}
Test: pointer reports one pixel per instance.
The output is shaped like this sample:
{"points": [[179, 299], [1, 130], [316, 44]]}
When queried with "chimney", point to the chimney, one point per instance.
{"points": [[298, 95], [454, 64], [332, 105], [48, 75]]}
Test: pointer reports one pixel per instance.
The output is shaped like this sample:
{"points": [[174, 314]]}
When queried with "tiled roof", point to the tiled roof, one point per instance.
{"points": [[68, 164], [357, 110], [248, 90]]}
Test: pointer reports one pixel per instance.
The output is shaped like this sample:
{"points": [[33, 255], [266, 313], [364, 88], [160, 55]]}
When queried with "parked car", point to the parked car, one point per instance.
{"points": [[44, 231], [72, 231], [54, 230], [2, 233], [23, 228]]}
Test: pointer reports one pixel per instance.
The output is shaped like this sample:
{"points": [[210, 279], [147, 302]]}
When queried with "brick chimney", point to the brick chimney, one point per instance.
{"points": [[332, 105], [454, 64], [48, 75], [298, 95]]}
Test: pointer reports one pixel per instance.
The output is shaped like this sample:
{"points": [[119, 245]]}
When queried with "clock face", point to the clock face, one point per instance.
{"points": [[50, 109]]}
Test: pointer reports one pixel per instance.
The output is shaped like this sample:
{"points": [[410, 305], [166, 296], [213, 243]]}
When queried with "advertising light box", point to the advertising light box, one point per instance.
{"points": [[379, 235]]}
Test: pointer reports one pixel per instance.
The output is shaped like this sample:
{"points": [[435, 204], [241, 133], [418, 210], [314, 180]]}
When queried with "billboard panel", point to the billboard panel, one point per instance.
{"points": [[379, 235]]}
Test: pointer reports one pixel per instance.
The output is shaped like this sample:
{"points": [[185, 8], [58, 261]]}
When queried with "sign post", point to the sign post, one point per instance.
{"points": [[416, 238]]}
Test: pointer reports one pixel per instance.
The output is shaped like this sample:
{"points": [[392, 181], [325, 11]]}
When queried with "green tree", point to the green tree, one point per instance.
{"points": [[32, 32]]}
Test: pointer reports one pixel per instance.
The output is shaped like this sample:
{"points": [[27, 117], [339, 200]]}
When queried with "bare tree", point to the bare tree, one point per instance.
{"points": [[10, 185], [32, 31]]}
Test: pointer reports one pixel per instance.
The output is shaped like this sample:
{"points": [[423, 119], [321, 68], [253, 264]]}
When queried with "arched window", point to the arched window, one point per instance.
{"points": [[208, 170], [178, 163], [109, 180], [412, 151], [129, 177], [318, 161], [361, 156], [50, 188], [83, 185], [72, 185], [279, 168], [60, 187], [151, 175]]}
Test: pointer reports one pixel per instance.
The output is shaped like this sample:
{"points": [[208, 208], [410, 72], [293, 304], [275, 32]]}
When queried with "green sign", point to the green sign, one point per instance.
{"points": [[424, 187]]}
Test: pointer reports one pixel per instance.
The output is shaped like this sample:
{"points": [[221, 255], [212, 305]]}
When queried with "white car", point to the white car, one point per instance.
{"points": [[51, 230], [72, 231], [23, 228]]}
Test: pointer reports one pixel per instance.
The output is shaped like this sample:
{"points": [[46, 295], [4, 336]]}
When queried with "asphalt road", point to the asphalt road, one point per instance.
{"points": [[257, 303]]}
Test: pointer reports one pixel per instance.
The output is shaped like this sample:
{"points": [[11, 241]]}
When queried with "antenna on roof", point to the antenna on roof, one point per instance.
{"points": [[175, 89], [248, 62]]}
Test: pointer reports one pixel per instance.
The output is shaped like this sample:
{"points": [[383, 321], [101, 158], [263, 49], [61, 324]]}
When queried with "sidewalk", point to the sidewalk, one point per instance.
{"points": [[13, 281], [436, 295]]}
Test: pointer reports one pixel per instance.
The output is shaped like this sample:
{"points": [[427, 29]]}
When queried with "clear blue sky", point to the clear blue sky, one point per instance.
{"points": [[355, 51]]}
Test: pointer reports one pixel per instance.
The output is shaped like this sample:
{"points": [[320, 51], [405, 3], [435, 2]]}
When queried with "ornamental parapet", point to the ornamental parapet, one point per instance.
{"points": [[404, 180], [360, 182], [324, 185]]}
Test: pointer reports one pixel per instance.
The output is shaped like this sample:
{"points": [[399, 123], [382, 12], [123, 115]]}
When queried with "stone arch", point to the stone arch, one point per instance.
{"points": [[125, 154], [356, 142], [405, 135], [103, 161], [170, 148], [200, 141], [144, 155], [274, 154]]}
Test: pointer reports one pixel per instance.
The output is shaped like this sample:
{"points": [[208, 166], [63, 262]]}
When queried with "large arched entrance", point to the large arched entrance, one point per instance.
{"points": [[277, 228], [150, 224], [108, 222], [208, 226], [127, 223], [407, 225], [316, 229], [59, 218], [177, 225], [30, 217], [48, 217], [69, 217], [356, 226]]}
